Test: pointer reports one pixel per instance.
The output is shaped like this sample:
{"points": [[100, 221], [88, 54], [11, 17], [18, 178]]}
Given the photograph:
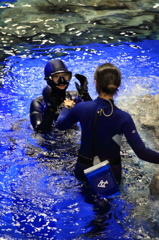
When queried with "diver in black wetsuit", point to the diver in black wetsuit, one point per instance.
{"points": [[46, 108]]}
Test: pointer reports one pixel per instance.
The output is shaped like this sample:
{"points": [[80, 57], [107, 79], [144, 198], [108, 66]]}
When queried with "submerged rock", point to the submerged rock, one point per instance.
{"points": [[78, 22]]}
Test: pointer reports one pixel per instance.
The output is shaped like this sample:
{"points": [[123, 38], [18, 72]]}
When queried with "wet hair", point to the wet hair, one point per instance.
{"points": [[108, 78]]}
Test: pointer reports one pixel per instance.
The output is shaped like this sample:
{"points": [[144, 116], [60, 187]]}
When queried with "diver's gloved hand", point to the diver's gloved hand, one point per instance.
{"points": [[83, 87]]}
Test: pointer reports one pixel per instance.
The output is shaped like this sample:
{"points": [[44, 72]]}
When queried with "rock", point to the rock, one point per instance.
{"points": [[145, 111], [150, 118], [154, 185], [78, 21]]}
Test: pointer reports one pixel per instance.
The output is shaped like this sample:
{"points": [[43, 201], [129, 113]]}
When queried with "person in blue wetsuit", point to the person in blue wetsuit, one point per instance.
{"points": [[44, 109], [111, 124]]}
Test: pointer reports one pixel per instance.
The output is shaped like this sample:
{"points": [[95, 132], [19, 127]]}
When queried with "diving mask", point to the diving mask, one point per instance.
{"points": [[61, 78]]}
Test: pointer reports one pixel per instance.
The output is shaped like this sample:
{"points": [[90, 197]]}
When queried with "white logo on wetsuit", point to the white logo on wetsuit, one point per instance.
{"points": [[102, 184]]}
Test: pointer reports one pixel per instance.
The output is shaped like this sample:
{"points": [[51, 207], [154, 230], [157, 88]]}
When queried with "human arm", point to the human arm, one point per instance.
{"points": [[83, 87], [136, 143], [68, 117], [41, 117], [36, 112]]}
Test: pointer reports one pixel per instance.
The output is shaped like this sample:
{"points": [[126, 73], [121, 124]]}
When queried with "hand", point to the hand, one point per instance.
{"points": [[83, 88], [83, 81], [69, 103]]}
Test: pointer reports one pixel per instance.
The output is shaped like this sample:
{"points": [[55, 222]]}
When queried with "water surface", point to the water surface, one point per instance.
{"points": [[40, 197]]}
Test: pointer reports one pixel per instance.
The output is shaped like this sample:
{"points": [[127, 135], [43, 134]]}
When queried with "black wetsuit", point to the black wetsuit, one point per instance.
{"points": [[46, 108]]}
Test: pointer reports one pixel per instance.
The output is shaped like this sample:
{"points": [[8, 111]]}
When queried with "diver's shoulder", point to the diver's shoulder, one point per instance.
{"points": [[122, 112], [38, 99]]}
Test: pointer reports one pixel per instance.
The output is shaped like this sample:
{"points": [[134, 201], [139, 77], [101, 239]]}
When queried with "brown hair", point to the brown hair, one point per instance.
{"points": [[108, 78]]}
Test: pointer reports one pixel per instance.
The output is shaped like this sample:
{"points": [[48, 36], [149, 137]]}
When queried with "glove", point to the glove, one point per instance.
{"points": [[83, 87]]}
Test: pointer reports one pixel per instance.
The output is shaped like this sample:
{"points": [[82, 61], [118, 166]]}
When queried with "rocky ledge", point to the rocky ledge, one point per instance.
{"points": [[78, 22]]}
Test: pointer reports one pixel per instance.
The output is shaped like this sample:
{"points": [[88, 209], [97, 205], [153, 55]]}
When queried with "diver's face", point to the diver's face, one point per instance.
{"points": [[61, 80]]}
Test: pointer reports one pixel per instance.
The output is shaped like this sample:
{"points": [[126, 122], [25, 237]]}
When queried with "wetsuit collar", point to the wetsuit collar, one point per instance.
{"points": [[99, 100], [103, 103]]}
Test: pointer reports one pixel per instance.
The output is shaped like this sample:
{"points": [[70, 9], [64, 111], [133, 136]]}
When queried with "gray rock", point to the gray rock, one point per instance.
{"points": [[154, 186], [145, 112], [78, 21], [151, 116]]}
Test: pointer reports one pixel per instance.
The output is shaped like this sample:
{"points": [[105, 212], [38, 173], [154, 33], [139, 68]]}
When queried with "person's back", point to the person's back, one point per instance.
{"points": [[104, 140], [103, 124], [108, 129]]}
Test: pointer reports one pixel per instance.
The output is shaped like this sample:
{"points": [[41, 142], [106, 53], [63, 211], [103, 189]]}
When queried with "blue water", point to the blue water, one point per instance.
{"points": [[40, 197]]}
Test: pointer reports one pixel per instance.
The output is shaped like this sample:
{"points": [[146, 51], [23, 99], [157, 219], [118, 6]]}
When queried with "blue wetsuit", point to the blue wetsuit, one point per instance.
{"points": [[108, 134]]}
